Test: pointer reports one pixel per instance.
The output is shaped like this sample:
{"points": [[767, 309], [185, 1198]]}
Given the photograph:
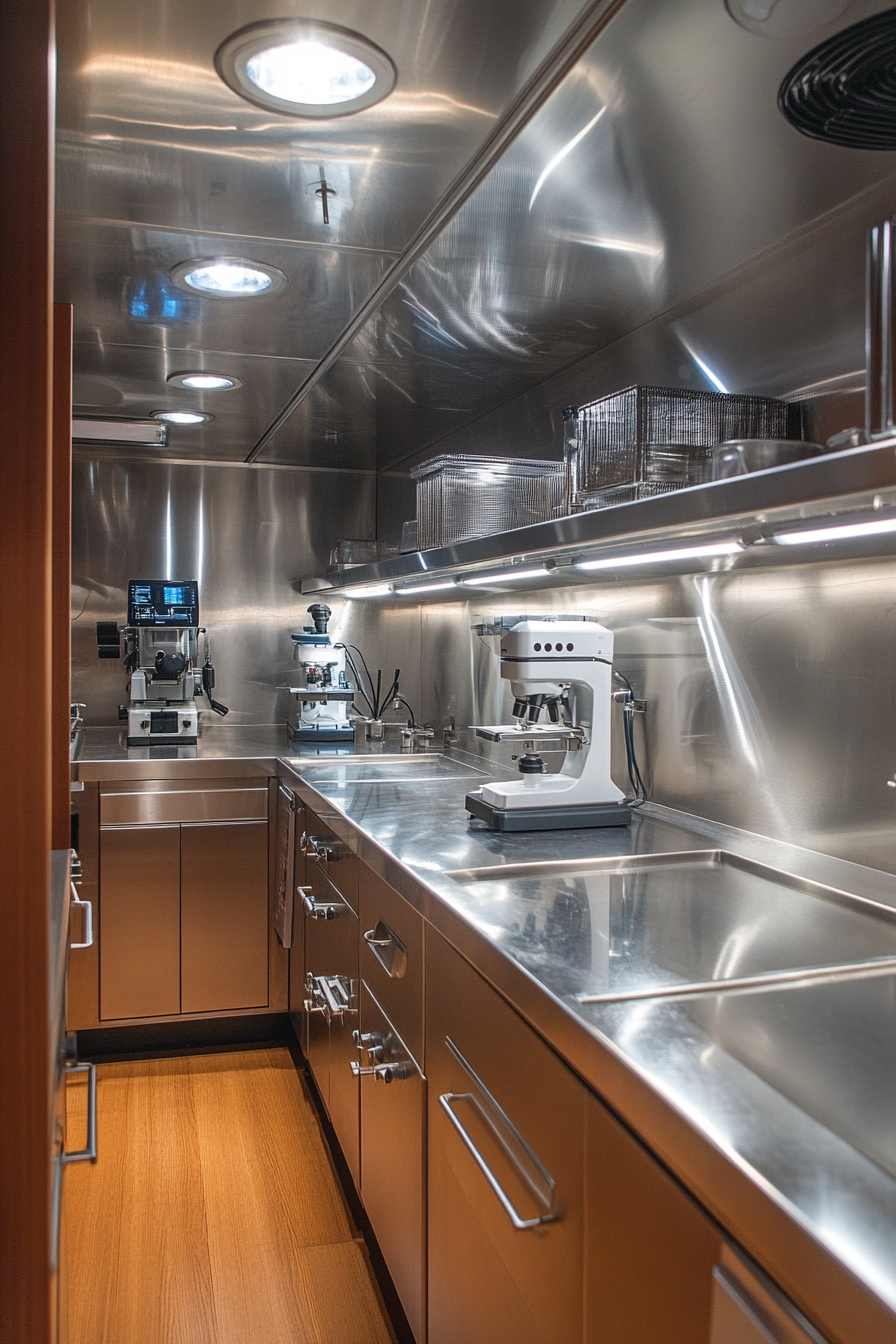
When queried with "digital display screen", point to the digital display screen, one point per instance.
{"points": [[163, 602]]}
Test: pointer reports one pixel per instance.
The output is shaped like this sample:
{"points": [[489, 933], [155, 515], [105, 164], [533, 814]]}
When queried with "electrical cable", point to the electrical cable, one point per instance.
{"points": [[401, 700], [639, 788], [356, 650], [358, 682]]}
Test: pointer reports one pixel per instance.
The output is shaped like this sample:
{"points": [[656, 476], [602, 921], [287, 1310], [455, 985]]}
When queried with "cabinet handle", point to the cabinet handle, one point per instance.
{"points": [[87, 1154], [388, 949], [521, 1224], [317, 848], [312, 908], [87, 907], [515, 1148]]}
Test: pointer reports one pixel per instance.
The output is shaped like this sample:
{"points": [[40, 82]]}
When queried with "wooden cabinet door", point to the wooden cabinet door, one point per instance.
{"points": [[505, 1151], [139, 921], [650, 1250], [224, 916]]}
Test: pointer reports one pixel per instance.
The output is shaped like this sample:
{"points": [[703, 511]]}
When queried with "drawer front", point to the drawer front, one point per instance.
{"points": [[393, 1126], [327, 854], [152, 807], [391, 956], [506, 1168]]}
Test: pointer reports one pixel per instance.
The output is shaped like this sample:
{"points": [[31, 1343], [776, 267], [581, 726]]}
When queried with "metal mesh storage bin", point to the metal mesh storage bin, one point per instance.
{"points": [[460, 496], [649, 440]]}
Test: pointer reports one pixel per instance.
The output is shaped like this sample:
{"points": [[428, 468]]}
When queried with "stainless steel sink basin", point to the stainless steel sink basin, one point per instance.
{"points": [[828, 1048], [388, 769], [639, 926]]}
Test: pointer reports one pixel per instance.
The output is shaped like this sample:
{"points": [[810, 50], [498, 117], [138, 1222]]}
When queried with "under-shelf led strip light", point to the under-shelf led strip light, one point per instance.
{"points": [[700, 552], [869, 527]]}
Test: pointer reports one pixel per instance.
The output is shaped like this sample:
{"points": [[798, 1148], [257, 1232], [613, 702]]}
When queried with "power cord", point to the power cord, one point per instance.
{"points": [[627, 700]]}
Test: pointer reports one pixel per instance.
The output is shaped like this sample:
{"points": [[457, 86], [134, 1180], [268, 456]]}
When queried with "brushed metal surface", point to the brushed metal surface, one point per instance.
{"points": [[224, 916], [658, 172], [659, 922], [148, 807], [244, 534], [819, 1214], [393, 1172], [518, 1287], [139, 922], [158, 161]]}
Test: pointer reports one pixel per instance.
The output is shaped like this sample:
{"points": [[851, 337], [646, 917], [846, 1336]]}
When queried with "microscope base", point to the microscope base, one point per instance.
{"points": [[304, 732], [558, 818]]}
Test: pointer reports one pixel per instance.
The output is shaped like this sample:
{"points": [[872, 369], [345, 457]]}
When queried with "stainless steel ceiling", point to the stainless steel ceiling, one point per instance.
{"points": [[158, 161], [686, 173]]}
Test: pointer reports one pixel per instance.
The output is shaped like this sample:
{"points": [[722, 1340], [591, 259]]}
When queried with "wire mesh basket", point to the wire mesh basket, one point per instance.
{"points": [[460, 496], [647, 441]]}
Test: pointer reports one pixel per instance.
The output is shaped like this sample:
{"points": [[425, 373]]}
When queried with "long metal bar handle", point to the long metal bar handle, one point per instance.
{"points": [[87, 907], [87, 1154], [521, 1224]]}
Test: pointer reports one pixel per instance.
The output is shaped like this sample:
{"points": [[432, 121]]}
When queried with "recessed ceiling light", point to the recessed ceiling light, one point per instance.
{"points": [[199, 381], [305, 68], [182, 417], [228, 278]]}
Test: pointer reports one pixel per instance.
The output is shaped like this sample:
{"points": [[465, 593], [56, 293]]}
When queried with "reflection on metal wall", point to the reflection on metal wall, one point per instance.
{"points": [[246, 535], [770, 703]]}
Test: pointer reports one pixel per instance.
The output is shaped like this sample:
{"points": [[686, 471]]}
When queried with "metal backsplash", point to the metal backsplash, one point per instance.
{"points": [[245, 534], [769, 702]]}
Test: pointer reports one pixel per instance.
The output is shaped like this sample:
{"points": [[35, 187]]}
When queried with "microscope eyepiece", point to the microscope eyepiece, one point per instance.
{"points": [[320, 614]]}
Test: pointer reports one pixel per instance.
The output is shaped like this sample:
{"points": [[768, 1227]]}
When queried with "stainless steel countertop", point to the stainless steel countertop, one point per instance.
{"points": [[773, 1113], [703, 1084]]}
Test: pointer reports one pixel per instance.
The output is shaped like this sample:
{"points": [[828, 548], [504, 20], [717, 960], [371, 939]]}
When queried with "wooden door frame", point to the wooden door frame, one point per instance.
{"points": [[26, 374]]}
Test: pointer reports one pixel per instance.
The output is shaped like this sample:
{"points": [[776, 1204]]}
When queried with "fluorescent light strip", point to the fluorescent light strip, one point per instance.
{"points": [[658, 557], [425, 588], [505, 576], [372, 590], [838, 532]]}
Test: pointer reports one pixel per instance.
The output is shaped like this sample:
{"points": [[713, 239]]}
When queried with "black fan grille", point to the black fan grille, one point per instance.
{"points": [[844, 91]]}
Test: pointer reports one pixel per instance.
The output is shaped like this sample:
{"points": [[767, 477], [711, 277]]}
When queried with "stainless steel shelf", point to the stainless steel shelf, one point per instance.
{"points": [[819, 486]]}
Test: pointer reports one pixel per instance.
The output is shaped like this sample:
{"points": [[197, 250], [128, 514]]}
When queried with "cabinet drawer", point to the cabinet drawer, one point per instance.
{"points": [[326, 853], [146, 807], [649, 1249], [393, 1126], [506, 1166], [391, 956]]}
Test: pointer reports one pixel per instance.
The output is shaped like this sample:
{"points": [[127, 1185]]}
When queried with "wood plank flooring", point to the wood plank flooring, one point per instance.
{"points": [[213, 1215]]}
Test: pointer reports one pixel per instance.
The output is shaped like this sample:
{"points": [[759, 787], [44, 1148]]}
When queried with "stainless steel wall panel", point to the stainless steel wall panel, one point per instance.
{"points": [[139, 922], [245, 534], [224, 916]]}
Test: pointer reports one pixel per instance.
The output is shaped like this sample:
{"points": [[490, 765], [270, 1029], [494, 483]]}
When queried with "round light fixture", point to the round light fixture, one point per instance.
{"points": [[200, 381], [228, 278], [182, 417], [305, 68]]}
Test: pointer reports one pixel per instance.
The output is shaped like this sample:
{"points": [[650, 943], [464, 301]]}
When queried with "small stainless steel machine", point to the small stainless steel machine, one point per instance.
{"points": [[326, 697], [161, 656], [564, 666]]}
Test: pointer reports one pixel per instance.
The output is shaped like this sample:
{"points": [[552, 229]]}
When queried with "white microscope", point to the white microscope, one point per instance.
{"points": [[564, 665], [325, 699]]}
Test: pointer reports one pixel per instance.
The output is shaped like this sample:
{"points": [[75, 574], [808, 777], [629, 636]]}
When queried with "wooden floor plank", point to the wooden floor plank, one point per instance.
{"points": [[136, 1236], [213, 1215]]}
